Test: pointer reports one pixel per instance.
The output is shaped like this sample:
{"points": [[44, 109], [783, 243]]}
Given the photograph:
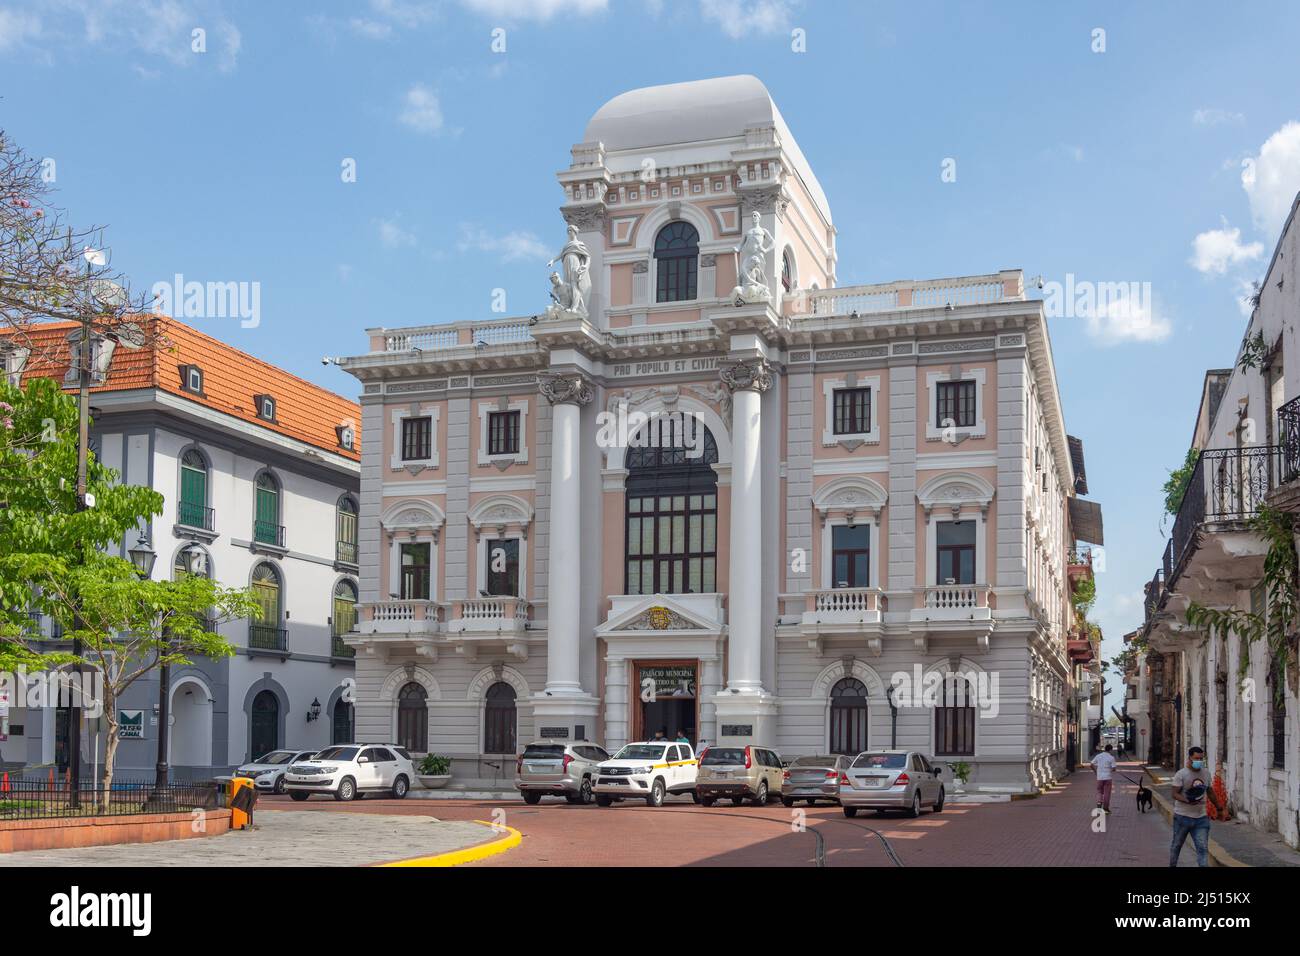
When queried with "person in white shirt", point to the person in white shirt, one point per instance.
{"points": [[1104, 765]]}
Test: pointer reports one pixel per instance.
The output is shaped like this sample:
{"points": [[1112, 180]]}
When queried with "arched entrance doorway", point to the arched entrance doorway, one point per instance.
{"points": [[342, 731], [500, 719], [848, 730], [190, 740], [264, 724]]}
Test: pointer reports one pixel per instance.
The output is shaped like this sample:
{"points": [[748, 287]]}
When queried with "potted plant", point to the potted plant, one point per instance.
{"points": [[961, 773], [434, 771]]}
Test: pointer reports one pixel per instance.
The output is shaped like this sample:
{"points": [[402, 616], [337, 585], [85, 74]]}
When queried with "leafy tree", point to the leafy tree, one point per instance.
{"points": [[56, 559]]}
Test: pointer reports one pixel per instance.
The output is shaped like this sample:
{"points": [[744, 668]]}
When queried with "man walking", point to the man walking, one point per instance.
{"points": [[1191, 788], [1104, 765]]}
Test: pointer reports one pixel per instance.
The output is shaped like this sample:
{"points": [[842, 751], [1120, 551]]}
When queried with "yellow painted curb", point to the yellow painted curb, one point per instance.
{"points": [[469, 854]]}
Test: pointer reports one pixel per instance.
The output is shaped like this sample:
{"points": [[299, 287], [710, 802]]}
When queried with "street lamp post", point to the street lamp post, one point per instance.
{"points": [[143, 557]]}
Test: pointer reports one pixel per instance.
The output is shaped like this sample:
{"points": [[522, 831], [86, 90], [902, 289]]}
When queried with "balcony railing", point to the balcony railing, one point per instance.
{"points": [[267, 637], [432, 338], [950, 597], [1227, 485], [1155, 592], [193, 515], [345, 551], [490, 614], [848, 599], [1288, 430], [338, 648], [267, 532], [908, 294]]}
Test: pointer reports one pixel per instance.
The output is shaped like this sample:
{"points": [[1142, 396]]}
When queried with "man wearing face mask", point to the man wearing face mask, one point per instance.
{"points": [[1191, 788]]}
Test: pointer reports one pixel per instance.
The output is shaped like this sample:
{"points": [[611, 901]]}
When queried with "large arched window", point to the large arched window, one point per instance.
{"points": [[193, 509], [954, 718], [266, 516], [413, 718], [499, 719], [787, 271], [677, 255], [346, 532], [343, 619], [266, 632], [672, 508], [848, 716]]}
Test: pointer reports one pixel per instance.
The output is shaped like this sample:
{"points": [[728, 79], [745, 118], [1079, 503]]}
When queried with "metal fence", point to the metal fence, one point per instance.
{"points": [[29, 799]]}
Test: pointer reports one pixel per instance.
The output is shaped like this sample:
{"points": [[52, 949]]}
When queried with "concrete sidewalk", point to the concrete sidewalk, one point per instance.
{"points": [[1232, 843], [284, 838]]}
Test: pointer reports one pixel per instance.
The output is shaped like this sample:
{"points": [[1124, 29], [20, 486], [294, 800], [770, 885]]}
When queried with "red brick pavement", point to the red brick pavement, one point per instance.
{"points": [[1055, 829]]}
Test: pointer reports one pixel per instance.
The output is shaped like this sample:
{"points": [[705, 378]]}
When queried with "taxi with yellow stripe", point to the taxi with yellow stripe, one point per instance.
{"points": [[646, 771]]}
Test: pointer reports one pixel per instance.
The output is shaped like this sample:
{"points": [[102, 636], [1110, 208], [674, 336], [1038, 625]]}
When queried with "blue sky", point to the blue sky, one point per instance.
{"points": [[1119, 164]]}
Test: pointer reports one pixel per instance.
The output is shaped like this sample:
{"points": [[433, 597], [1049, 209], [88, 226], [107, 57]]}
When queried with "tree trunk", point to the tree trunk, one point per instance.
{"points": [[110, 745]]}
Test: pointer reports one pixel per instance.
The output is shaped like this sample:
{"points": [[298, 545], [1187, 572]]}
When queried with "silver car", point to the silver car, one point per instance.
{"points": [[891, 780], [814, 778], [560, 768], [267, 771]]}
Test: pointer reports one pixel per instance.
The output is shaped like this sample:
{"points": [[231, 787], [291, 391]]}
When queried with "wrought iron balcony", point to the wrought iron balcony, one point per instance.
{"points": [[195, 516], [1228, 486], [338, 648], [1288, 430], [267, 637], [267, 532], [345, 552]]}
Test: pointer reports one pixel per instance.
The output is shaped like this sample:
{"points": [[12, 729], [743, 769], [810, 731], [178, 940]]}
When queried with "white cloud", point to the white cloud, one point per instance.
{"points": [[1127, 319], [540, 10], [1214, 250], [740, 18], [1272, 178], [421, 110], [511, 247], [162, 29], [392, 235], [17, 27], [1213, 117], [386, 14]]}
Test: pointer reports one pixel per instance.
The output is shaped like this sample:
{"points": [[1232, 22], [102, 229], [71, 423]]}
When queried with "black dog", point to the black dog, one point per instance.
{"points": [[1143, 797]]}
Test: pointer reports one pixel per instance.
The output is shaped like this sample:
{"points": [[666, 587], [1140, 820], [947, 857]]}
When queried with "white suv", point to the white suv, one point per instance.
{"points": [[647, 771], [351, 770]]}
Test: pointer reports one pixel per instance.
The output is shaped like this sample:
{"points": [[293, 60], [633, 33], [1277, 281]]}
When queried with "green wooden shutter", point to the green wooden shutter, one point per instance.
{"points": [[194, 496]]}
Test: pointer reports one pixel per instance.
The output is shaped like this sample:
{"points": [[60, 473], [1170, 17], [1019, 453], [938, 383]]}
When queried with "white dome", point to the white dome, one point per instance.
{"points": [[694, 112]]}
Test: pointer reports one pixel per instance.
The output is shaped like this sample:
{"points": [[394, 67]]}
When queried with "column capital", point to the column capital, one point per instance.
{"points": [[565, 389], [753, 374]]}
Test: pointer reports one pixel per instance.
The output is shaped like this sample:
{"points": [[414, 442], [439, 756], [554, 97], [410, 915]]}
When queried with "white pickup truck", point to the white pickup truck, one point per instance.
{"points": [[646, 771]]}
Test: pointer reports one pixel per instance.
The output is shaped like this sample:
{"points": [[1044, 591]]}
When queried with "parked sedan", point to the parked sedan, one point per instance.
{"points": [[814, 778], [891, 780], [267, 771]]}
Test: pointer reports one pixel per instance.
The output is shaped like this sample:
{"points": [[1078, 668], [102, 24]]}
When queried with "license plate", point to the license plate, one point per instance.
{"points": [[540, 768], [611, 782]]}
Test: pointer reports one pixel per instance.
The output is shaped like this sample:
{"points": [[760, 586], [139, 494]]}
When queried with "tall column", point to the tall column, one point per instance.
{"points": [[744, 709], [564, 703]]}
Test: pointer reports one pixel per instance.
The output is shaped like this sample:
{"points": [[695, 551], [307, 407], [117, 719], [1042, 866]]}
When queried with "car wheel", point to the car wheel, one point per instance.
{"points": [[603, 801], [532, 798], [582, 796], [760, 798], [708, 801], [695, 797], [915, 811], [400, 786], [850, 812], [657, 794], [938, 804], [298, 795], [789, 802], [279, 785], [347, 790]]}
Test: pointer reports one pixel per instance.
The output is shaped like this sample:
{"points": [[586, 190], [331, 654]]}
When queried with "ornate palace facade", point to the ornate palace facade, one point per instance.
{"points": [[710, 489]]}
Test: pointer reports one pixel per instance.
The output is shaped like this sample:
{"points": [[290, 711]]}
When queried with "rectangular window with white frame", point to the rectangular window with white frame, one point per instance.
{"points": [[851, 415], [414, 439], [502, 435], [956, 405]]}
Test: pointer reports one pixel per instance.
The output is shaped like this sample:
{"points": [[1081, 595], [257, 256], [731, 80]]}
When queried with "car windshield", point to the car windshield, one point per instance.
{"points": [[822, 760], [723, 755], [275, 756], [881, 761], [541, 751], [337, 753], [640, 752]]}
